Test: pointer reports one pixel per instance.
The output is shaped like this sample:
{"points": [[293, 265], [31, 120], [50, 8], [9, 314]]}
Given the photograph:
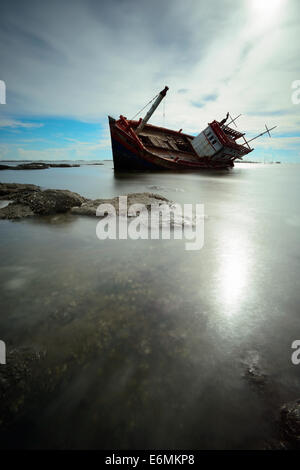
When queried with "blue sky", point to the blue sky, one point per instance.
{"points": [[68, 64], [54, 139]]}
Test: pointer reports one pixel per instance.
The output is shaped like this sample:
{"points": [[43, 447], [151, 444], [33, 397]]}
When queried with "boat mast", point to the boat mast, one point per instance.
{"points": [[160, 97], [267, 131]]}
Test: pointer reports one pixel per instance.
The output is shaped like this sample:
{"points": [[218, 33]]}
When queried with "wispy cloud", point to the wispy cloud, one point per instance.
{"points": [[279, 143], [76, 151], [15, 124]]}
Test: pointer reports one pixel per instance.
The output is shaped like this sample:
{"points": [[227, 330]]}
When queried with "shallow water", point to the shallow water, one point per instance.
{"points": [[146, 344]]}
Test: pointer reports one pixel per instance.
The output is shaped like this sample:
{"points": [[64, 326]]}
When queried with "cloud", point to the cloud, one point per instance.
{"points": [[86, 59], [197, 105], [279, 143], [211, 97], [64, 148], [14, 124], [75, 151]]}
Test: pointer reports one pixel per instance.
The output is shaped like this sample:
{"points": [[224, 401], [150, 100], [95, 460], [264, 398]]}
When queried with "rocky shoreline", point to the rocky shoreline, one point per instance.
{"points": [[37, 166], [42, 166], [29, 200]]}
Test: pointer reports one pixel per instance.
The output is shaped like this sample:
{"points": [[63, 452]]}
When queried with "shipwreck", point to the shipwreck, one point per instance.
{"points": [[139, 146]]}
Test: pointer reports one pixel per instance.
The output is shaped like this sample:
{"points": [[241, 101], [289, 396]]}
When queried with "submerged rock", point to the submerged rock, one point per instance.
{"points": [[63, 165], [90, 207], [17, 380], [29, 200], [37, 166], [287, 428], [290, 423], [5, 167], [15, 211], [8, 190], [253, 370], [95, 163], [31, 166], [51, 201]]}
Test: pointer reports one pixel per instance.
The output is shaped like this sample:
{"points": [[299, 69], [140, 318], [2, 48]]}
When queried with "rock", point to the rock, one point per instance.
{"points": [[62, 165], [254, 374], [156, 188], [37, 166], [8, 190], [87, 208], [16, 193], [51, 201], [253, 371], [17, 380], [31, 166], [290, 423], [15, 211], [90, 207], [5, 167], [31, 200]]}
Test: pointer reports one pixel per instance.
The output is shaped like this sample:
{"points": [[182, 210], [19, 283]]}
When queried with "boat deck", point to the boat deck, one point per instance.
{"points": [[167, 145]]}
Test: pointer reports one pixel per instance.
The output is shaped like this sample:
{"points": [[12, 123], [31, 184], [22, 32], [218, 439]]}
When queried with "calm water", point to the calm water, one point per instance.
{"points": [[146, 344]]}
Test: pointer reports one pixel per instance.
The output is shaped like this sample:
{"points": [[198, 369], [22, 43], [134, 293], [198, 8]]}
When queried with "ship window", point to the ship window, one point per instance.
{"points": [[214, 141]]}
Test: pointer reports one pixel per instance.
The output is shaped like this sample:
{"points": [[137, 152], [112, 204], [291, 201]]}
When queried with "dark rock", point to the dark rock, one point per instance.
{"points": [[256, 376], [290, 423], [9, 190], [5, 167], [31, 166], [90, 207], [15, 211], [17, 380], [62, 165], [51, 201], [30, 200], [37, 166], [253, 371]]}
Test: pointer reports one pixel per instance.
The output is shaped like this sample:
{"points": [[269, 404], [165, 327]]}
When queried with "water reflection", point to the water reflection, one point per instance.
{"points": [[234, 271], [60, 220], [143, 340]]}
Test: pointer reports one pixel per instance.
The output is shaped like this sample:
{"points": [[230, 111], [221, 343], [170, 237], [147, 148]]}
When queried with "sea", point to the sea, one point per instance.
{"points": [[142, 344]]}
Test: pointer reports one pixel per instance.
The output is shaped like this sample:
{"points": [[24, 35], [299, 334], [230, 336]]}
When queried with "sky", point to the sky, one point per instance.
{"points": [[69, 64]]}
